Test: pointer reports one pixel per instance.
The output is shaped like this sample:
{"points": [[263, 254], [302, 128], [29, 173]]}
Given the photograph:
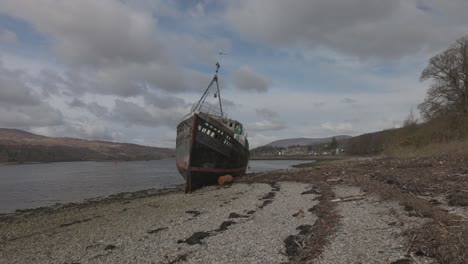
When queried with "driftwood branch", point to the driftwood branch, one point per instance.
{"points": [[414, 258], [334, 180], [348, 199]]}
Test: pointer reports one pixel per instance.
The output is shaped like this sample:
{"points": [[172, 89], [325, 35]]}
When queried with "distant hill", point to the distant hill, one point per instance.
{"points": [[304, 141], [21, 146]]}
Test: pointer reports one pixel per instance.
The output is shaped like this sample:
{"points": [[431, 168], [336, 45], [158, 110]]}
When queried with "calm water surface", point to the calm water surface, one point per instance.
{"points": [[36, 185]]}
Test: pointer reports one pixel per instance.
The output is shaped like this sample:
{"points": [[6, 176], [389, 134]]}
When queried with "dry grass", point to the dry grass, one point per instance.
{"points": [[427, 138], [453, 148]]}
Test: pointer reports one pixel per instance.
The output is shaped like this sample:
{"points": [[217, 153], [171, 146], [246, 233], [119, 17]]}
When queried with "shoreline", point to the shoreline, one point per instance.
{"points": [[168, 228], [63, 161], [353, 210], [58, 205], [96, 201]]}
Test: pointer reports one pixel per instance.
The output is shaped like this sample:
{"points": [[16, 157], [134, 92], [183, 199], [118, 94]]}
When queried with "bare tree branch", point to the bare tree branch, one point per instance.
{"points": [[448, 71]]}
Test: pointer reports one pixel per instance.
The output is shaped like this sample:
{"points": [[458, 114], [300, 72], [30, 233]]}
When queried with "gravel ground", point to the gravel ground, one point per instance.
{"points": [[370, 230], [244, 223], [263, 218]]}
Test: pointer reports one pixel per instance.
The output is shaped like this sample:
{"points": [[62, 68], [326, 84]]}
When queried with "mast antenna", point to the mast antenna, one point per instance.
{"points": [[221, 54], [217, 93]]}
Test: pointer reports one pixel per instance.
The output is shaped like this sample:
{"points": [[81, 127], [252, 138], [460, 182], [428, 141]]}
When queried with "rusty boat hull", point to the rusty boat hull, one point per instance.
{"points": [[206, 148]]}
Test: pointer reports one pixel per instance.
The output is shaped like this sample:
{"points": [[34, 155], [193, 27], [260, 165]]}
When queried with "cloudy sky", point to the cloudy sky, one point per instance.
{"points": [[128, 70]]}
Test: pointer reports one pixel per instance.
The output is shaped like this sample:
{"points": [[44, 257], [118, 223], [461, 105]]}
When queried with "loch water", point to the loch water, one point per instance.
{"points": [[35, 185]]}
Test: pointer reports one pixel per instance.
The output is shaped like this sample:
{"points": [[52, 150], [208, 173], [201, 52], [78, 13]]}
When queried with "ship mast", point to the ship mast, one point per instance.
{"points": [[217, 94]]}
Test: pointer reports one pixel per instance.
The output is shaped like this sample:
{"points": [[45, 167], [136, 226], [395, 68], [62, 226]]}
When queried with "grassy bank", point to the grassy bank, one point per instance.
{"points": [[440, 136]]}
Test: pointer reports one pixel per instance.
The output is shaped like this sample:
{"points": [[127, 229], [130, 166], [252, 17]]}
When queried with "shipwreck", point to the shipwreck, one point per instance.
{"points": [[209, 144]]}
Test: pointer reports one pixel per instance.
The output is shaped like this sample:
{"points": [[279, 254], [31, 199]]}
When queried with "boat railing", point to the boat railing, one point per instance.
{"points": [[208, 108]]}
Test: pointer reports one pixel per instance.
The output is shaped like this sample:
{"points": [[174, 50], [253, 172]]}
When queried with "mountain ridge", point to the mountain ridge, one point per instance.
{"points": [[303, 141], [21, 146]]}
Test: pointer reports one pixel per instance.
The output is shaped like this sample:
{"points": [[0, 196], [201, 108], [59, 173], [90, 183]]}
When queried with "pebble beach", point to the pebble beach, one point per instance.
{"points": [[323, 214], [243, 223]]}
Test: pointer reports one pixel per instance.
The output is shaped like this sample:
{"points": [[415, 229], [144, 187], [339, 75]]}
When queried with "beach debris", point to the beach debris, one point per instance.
{"points": [[299, 214], [224, 225], [157, 230], [195, 238], [267, 199], [153, 205], [268, 196], [313, 190], [222, 180], [79, 221], [275, 187], [265, 203], [294, 243], [401, 261], [457, 199], [194, 213], [348, 199], [179, 258], [110, 247], [236, 215], [334, 180]]}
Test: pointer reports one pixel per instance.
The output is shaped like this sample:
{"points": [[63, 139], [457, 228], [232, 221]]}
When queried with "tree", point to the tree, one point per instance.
{"points": [[410, 120], [448, 93]]}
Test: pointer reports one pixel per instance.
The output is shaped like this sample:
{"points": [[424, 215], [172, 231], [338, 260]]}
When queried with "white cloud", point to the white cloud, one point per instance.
{"points": [[108, 47], [93, 107], [271, 121], [265, 126], [29, 116], [337, 128], [363, 28], [248, 80], [20, 105], [267, 113], [80, 128], [348, 100], [7, 36], [91, 32], [131, 113], [189, 48], [257, 139]]}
